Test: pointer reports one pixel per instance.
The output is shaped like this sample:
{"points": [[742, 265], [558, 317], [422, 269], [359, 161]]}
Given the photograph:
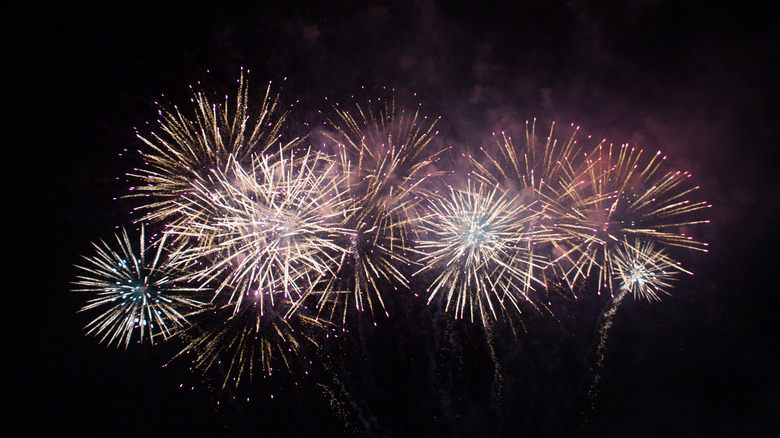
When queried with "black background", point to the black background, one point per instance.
{"points": [[694, 79]]}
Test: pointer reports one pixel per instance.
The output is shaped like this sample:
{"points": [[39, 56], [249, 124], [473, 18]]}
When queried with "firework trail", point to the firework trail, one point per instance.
{"points": [[479, 243], [606, 324], [381, 150], [192, 146], [277, 231], [137, 289]]}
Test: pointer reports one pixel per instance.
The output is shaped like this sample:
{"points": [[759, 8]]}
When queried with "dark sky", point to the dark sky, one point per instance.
{"points": [[694, 79]]}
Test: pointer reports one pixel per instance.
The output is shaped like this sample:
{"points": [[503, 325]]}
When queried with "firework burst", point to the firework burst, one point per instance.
{"points": [[382, 153], [533, 166], [480, 242], [277, 231], [530, 169], [139, 290], [644, 271], [618, 193], [191, 147], [284, 238]]}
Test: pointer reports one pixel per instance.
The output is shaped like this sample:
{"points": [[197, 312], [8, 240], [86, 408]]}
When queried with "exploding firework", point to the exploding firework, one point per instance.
{"points": [[643, 270], [382, 153], [640, 269], [618, 193], [277, 230], [479, 244], [191, 147], [137, 291]]}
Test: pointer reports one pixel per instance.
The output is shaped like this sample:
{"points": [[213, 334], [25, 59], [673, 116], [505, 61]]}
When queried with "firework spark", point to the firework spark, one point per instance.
{"points": [[480, 241], [139, 291]]}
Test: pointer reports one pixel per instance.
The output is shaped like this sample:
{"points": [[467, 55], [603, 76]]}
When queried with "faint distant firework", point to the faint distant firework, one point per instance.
{"points": [[383, 153], [478, 245], [252, 339], [189, 147], [138, 290]]}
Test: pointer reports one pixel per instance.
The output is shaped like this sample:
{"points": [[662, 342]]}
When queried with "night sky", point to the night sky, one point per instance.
{"points": [[695, 80]]}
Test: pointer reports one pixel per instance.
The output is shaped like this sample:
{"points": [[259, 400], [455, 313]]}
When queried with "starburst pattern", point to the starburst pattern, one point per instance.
{"points": [[643, 270], [479, 244], [138, 289]]}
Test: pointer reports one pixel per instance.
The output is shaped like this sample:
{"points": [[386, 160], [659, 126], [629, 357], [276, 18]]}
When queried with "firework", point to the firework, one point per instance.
{"points": [[192, 147], [479, 243], [137, 291], [643, 270], [382, 153], [277, 230], [592, 201], [617, 193]]}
